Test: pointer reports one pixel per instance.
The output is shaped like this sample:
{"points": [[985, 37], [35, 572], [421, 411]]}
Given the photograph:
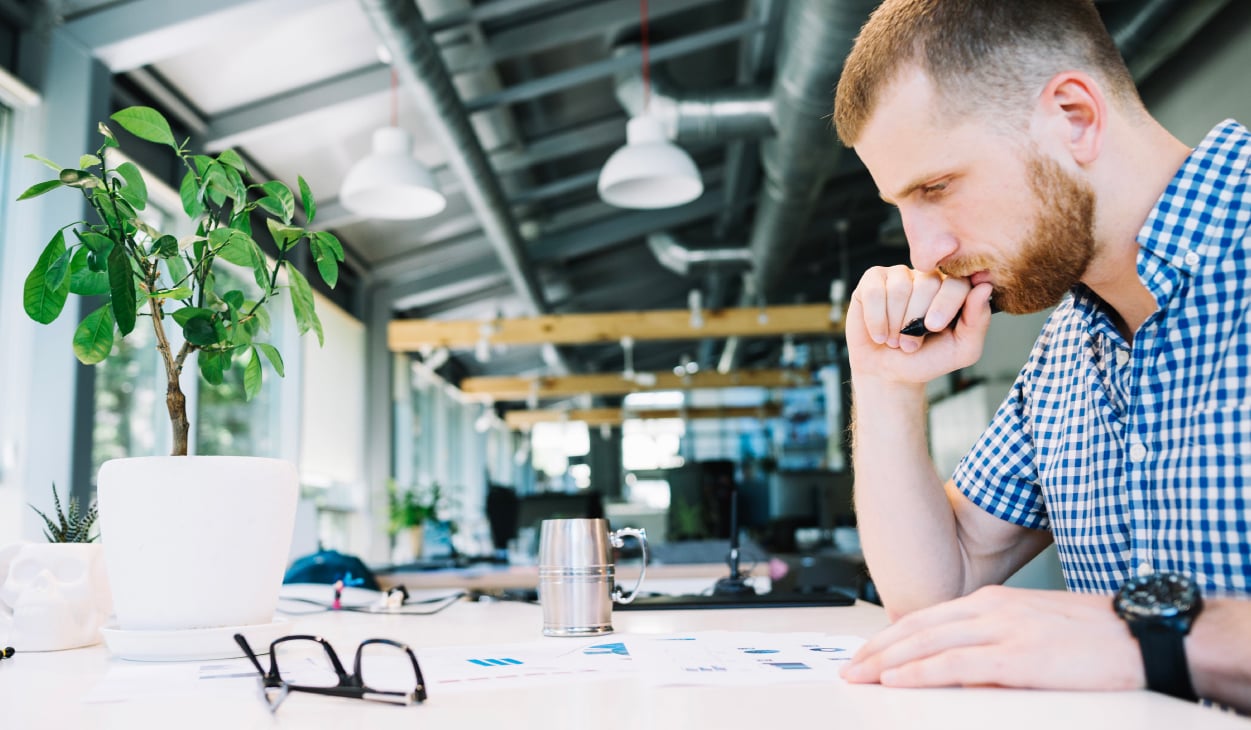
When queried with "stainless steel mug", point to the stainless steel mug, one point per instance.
{"points": [[577, 586]]}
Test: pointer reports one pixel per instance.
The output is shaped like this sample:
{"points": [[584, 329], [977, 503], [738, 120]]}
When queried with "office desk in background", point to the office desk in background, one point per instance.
{"points": [[45, 691]]}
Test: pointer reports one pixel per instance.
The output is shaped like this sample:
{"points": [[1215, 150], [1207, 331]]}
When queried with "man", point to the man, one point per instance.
{"points": [[1029, 174]]}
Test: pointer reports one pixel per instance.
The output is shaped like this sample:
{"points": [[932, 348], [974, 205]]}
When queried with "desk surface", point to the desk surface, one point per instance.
{"points": [[40, 691]]}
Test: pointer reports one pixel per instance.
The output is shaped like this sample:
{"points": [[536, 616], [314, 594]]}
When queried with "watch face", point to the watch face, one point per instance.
{"points": [[1159, 595]]}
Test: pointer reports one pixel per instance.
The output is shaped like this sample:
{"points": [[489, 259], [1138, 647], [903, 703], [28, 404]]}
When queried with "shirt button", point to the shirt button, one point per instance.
{"points": [[1137, 452], [1191, 258], [1144, 568], [1122, 357]]}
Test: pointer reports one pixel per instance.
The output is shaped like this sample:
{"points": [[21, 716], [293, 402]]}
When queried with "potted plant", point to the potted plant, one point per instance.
{"points": [[55, 595], [410, 509], [189, 541]]}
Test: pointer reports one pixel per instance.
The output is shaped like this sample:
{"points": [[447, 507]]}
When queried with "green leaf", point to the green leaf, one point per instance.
{"points": [[58, 271], [331, 241], [188, 191], [136, 190], [177, 268], [79, 179], [39, 189], [326, 264], [146, 123], [96, 241], [122, 290], [181, 316], [233, 299], [274, 357], [181, 292], [213, 365], [88, 161], [252, 376], [93, 338], [278, 200], [284, 236], [199, 329], [302, 304], [46, 162], [232, 158], [165, 247], [83, 281], [236, 247], [306, 198], [43, 303]]}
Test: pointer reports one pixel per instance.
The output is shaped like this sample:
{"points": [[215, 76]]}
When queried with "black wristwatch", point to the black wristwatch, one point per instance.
{"points": [[1160, 608]]}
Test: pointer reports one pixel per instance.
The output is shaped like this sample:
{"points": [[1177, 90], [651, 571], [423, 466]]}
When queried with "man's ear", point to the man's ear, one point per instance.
{"points": [[1073, 105]]}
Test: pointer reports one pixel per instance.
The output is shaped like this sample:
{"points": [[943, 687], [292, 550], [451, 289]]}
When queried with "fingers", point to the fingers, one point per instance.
{"points": [[1006, 637], [892, 297]]}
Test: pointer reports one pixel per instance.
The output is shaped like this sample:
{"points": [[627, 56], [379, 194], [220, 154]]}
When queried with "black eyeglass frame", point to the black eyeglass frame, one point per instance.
{"points": [[349, 685]]}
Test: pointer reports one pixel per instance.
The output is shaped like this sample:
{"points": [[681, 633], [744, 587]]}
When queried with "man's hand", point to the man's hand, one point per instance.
{"points": [[887, 298], [1007, 637]]}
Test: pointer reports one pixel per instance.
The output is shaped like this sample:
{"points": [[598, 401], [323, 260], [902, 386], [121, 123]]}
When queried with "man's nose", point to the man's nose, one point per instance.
{"points": [[929, 241]]}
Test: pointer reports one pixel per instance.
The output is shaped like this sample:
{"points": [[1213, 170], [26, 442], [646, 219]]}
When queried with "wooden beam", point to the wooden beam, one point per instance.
{"points": [[521, 420], [412, 335], [517, 388]]}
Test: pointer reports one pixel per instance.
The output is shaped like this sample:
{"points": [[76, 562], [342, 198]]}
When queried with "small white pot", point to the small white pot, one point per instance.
{"points": [[196, 541], [52, 595]]}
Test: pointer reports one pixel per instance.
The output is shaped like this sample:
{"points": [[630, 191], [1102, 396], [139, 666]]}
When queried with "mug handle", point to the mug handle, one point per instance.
{"points": [[615, 538]]}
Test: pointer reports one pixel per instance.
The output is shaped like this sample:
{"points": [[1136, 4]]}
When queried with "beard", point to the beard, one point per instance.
{"points": [[1053, 255]]}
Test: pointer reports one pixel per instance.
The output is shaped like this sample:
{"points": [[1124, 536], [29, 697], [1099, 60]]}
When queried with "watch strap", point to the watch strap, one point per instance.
{"points": [[1164, 659]]}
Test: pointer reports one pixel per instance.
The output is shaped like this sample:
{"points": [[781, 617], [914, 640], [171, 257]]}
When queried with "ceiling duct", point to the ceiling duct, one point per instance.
{"points": [[418, 60], [688, 261]]}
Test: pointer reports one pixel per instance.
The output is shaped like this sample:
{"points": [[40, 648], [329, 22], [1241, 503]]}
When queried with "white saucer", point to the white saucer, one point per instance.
{"points": [[191, 644]]}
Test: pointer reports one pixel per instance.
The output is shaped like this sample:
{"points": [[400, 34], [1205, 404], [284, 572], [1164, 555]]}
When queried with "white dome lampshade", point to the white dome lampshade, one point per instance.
{"points": [[389, 183], [650, 171]]}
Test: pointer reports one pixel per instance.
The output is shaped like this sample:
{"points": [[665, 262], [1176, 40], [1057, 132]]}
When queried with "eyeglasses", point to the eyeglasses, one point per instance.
{"points": [[383, 671]]}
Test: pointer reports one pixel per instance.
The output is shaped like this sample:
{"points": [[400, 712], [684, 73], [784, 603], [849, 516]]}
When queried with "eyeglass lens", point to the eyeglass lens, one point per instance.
{"points": [[305, 662], [386, 668]]}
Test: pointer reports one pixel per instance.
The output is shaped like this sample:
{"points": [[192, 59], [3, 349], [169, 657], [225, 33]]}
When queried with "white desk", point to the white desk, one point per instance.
{"points": [[39, 691]]}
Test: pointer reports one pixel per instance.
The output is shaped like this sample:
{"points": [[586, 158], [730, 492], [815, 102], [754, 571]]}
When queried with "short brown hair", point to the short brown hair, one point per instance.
{"points": [[986, 55]]}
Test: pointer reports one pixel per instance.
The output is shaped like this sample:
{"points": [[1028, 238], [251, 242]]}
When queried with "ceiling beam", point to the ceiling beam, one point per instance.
{"points": [[627, 61], [519, 388], [126, 36], [570, 329], [522, 420]]}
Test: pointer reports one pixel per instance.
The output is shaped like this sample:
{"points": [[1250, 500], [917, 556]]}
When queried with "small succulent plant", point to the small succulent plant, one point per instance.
{"points": [[71, 525]]}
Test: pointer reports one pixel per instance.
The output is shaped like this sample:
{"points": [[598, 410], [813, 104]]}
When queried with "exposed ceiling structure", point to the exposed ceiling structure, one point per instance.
{"points": [[516, 105]]}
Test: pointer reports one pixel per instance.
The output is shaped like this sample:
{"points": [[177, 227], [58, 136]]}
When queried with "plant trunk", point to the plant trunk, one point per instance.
{"points": [[176, 403]]}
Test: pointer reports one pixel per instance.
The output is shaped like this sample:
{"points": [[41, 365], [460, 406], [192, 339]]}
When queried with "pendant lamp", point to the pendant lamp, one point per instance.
{"points": [[649, 171], [389, 183]]}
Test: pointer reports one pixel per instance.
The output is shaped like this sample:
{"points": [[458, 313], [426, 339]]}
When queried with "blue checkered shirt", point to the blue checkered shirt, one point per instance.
{"points": [[1137, 456]]}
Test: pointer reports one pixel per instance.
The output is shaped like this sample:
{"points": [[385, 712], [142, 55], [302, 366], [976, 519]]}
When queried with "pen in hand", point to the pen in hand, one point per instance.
{"points": [[917, 328]]}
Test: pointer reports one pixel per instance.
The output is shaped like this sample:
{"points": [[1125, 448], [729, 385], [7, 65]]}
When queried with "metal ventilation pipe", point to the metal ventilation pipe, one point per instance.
{"points": [[699, 117], [816, 37], [690, 262], [417, 58]]}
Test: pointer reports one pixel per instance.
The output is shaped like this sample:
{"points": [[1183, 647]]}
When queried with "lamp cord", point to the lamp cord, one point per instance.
{"points": [[395, 97], [647, 81]]}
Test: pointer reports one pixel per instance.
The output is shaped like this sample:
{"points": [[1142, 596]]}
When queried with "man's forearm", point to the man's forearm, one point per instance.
{"points": [[907, 528]]}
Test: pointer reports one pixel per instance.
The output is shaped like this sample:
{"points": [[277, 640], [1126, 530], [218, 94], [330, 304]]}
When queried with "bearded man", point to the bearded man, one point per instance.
{"points": [[1028, 175]]}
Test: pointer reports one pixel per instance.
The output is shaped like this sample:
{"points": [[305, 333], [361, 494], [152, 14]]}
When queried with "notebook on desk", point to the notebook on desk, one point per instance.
{"points": [[762, 600]]}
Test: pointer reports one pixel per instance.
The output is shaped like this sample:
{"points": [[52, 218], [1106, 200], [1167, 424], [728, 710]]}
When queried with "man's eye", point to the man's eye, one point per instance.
{"points": [[933, 189]]}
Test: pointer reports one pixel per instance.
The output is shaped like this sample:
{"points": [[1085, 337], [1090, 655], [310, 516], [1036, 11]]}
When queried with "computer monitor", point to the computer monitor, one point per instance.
{"points": [[532, 509]]}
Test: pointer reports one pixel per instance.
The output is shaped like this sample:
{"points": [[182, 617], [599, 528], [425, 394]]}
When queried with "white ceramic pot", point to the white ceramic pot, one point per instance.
{"points": [[52, 595], [196, 541]]}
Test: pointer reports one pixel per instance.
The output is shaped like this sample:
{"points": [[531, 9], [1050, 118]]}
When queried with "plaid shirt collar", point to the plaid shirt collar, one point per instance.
{"points": [[1170, 245]]}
